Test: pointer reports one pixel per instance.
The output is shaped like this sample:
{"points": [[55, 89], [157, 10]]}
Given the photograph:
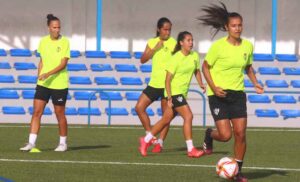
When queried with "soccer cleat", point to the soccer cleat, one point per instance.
{"points": [[157, 148], [61, 148], [240, 178], [27, 147], [153, 141], [208, 142], [143, 146], [195, 153]]}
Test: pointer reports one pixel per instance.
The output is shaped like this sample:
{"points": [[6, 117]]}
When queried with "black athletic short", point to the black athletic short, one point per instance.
{"points": [[178, 100], [231, 107], [154, 93], [58, 96]]}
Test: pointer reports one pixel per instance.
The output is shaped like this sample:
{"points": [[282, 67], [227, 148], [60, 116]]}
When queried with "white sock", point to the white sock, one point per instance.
{"points": [[32, 138], [160, 141], [63, 140], [190, 145], [148, 137], [147, 132]]}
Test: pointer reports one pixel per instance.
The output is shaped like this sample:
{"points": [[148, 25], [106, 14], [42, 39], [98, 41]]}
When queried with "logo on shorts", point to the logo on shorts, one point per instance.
{"points": [[216, 111], [180, 99], [60, 100]]}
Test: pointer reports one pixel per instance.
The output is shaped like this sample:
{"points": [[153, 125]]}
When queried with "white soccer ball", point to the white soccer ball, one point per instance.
{"points": [[227, 168]]}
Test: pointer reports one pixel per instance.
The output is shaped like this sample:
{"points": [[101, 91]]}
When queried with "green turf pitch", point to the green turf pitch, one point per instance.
{"points": [[110, 154]]}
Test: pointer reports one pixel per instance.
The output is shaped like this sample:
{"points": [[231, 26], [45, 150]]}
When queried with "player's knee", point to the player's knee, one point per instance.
{"points": [[138, 109], [226, 136], [240, 134]]}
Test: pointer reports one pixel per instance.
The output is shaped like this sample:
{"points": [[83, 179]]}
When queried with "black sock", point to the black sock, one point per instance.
{"points": [[240, 164]]}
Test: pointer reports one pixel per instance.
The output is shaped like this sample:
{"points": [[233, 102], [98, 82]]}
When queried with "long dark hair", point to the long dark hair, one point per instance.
{"points": [[51, 17], [180, 37], [217, 17], [160, 24]]}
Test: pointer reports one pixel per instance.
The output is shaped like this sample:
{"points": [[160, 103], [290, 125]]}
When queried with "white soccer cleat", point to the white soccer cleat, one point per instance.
{"points": [[27, 147], [61, 148]]}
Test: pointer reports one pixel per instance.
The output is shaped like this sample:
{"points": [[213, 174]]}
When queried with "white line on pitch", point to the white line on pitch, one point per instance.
{"points": [[139, 164]]}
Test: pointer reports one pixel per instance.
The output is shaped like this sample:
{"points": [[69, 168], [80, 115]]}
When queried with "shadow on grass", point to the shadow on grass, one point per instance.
{"points": [[264, 174], [89, 147]]}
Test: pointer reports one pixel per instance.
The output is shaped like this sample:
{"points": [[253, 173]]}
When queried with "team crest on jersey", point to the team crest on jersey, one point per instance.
{"points": [[216, 111], [58, 49], [179, 99], [166, 48]]}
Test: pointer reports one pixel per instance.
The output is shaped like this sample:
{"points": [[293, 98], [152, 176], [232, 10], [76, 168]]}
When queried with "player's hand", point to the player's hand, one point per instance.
{"points": [[170, 103], [258, 88], [203, 86], [219, 92], [43, 76], [159, 45]]}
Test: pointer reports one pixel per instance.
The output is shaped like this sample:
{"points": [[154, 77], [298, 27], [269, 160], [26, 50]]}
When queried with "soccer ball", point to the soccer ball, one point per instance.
{"points": [[227, 168]]}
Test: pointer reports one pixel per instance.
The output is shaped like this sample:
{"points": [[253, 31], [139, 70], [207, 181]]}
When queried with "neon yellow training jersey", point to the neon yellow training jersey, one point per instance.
{"points": [[227, 64], [159, 60], [182, 68], [52, 52]]}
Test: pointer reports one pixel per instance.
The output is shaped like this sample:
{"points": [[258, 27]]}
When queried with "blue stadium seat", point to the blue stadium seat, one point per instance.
{"points": [[248, 83], [117, 111], [71, 111], [7, 79], [47, 111], [28, 94], [159, 111], [146, 68], [138, 55], [133, 95], [20, 52], [24, 66], [286, 57], [3, 52], [266, 113], [291, 71], [120, 55], [290, 113], [85, 110], [9, 94], [27, 79], [287, 99], [105, 81], [84, 95], [75, 53], [147, 80], [149, 111], [101, 67], [84, 80], [13, 110], [76, 67], [5, 65], [95, 54], [110, 95], [125, 68], [38, 55], [295, 83], [259, 99], [131, 81], [269, 71], [263, 57], [277, 84]]}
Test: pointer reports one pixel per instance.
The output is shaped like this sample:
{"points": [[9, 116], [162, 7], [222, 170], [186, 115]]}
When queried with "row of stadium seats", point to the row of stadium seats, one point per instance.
{"points": [[146, 68], [137, 55], [117, 111], [272, 113], [134, 96], [85, 80]]}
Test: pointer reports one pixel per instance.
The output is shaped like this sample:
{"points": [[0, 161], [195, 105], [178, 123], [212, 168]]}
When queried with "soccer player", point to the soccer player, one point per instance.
{"points": [[159, 49], [179, 71], [223, 69], [52, 82]]}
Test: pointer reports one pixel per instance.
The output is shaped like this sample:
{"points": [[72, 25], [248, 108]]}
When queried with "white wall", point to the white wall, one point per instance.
{"points": [[127, 24]]}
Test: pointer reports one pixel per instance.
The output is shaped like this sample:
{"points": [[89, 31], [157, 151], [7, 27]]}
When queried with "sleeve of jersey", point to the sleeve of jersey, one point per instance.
{"points": [[171, 65], [67, 50], [212, 55], [40, 48], [250, 58], [150, 43]]}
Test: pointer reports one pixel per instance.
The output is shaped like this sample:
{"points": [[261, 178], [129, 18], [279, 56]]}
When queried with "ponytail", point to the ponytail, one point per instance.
{"points": [[51, 17]]}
